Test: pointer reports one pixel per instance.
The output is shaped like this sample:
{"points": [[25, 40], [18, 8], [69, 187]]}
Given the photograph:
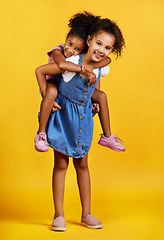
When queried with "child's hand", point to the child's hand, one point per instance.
{"points": [[95, 108], [55, 107], [87, 70], [92, 79]]}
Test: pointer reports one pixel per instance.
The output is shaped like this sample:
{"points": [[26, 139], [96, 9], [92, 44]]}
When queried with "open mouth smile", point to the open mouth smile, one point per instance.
{"points": [[98, 55], [68, 54]]}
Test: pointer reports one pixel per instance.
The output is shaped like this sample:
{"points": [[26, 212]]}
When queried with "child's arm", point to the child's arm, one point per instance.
{"points": [[42, 71], [89, 67], [100, 64], [95, 103], [61, 62], [98, 85]]}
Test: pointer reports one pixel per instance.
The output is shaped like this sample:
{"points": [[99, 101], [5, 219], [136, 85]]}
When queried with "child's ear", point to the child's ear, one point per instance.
{"points": [[88, 40]]}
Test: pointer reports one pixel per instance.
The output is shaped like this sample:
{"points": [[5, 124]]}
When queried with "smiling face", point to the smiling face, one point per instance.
{"points": [[73, 46], [100, 46]]}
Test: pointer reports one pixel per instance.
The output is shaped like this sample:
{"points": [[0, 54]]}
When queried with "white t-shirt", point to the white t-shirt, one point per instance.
{"points": [[74, 59]]}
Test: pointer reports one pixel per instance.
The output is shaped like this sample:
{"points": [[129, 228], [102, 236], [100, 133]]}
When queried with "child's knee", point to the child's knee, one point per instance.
{"points": [[52, 90], [80, 165], [61, 166], [102, 97]]}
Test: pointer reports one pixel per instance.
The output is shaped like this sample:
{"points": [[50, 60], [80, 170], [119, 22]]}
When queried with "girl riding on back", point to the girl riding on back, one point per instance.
{"points": [[75, 44]]}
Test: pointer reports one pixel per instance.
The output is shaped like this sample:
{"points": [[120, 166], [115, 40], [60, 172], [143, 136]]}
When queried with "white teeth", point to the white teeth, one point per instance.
{"points": [[69, 54], [99, 55]]}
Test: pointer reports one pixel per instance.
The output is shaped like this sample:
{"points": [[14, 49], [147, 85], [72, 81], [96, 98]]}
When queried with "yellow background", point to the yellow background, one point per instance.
{"points": [[127, 188]]}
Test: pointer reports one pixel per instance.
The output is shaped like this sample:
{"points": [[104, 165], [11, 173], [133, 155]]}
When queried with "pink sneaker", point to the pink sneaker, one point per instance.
{"points": [[91, 222], [41, 144], [59, 224], [112, 143]]}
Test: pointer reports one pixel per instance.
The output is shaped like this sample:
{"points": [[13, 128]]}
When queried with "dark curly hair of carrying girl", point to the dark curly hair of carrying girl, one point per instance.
{"points": [[106, 25], [80, 25]]}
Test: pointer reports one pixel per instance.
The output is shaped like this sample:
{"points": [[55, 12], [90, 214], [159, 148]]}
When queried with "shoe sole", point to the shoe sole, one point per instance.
{"points": [[38, 150], [61, 229], [90, 226], [115, 149]]}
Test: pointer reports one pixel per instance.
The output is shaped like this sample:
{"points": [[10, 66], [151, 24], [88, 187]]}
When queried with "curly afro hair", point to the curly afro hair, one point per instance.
{"points": [[81, 23], [106, 25]]}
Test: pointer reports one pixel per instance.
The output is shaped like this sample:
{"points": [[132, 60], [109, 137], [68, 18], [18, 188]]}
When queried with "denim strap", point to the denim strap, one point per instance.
{"points": [[80, 60]]}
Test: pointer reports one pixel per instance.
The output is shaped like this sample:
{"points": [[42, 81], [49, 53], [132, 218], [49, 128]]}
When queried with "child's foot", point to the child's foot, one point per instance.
{"points": [[91, 222], [95, 108], [112, 143], [59, 224], [41, 144]]}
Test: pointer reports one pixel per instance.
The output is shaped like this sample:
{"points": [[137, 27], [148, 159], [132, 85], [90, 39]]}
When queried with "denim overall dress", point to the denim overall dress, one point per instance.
{"points": [[70, 129]]}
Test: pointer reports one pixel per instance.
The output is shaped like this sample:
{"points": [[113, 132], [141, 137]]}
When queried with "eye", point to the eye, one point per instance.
{"points": [[108, 48], [78, 49], [70, 43], [98, 43]]}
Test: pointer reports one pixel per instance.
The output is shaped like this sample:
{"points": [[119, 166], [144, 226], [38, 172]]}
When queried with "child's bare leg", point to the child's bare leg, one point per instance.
{"points": [[106, 140], [46, 105], [83, 180], [100, 97], [58, 182]]}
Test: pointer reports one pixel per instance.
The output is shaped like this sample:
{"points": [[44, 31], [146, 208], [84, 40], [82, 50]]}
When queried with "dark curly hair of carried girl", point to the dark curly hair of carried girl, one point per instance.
{"points": [[80, 25], [106, 25]]}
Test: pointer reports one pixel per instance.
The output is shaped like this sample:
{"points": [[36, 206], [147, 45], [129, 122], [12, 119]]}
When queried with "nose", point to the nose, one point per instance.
{"points": [[71, 50], [101, 49]]}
